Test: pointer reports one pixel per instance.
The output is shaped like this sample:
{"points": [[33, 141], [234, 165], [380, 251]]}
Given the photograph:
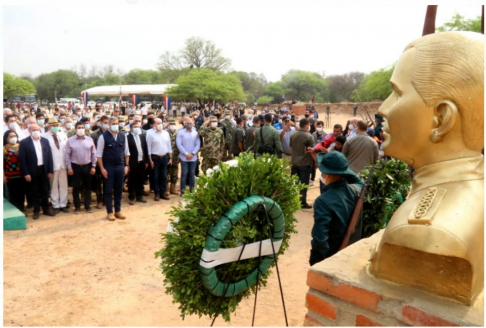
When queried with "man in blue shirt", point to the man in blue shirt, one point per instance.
{"points": [[188, 143]]}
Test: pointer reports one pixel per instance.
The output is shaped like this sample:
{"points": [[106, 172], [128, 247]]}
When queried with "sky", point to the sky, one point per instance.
{"points": [[266, 37]]}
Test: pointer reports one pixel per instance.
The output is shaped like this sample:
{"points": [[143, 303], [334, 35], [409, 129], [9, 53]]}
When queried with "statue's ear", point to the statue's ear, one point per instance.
{"points": [[445, 116]]}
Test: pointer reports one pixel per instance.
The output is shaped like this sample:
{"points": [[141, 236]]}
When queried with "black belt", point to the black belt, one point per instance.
{"points": [[159, 156], [40, 165], [82, 165]]}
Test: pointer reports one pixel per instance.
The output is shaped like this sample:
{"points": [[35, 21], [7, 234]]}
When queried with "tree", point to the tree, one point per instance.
{"points": [[198, 53], [204, 85], [341, 86], [459, 23], [252, 83], [301, 85], [63, 83], [263, 100], [140, 76], [374, 86], [13, 85], [275, 91]]}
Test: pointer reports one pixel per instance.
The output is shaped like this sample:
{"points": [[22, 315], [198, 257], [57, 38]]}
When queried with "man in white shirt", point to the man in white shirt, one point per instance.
{"points": [[183, 110], [160, 157], [144, 111], [26, 133], [11, 121], [174, 111], [58, 182], [114, 165]]}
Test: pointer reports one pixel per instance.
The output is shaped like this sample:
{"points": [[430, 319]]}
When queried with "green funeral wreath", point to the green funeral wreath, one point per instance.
{"points": [[242, 180]]}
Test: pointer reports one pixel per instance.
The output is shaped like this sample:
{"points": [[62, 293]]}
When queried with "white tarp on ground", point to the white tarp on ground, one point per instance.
{"points": [[127, 90]]}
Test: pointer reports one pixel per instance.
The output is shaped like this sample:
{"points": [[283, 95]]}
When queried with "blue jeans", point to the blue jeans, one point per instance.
{"points": [[116, 175], [188, 171], [160, 174]]}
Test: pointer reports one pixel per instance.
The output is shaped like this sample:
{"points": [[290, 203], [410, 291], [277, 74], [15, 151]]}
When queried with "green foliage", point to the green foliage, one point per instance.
{"points": [[252, 83], [342, 86], [375, 85], [263, 100], [249, 98], [389, 186], [459, 23], [300, 85], [64, 83], [274, 90], [204, 85], [13, 85], [212, 197]]}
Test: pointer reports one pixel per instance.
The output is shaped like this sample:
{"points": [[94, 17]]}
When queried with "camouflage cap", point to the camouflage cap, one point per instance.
{"points": [[122, 118], [213, 119], [227, 112], [172, 121]]}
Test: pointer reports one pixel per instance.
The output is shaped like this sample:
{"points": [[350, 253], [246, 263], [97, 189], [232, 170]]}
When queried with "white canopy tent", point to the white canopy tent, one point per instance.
{"points": [[127, 90]]}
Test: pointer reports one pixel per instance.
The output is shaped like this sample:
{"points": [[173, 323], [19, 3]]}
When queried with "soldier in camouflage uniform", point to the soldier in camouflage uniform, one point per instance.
{"points": [[213, 146], [173, 170], [228, 138]]}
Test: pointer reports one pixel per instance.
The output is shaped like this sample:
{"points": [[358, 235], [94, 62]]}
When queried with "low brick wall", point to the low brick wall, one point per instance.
{"points": [[343, 293]]}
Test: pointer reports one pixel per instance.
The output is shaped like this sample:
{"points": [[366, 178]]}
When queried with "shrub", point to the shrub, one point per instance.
{"points": [[214, 194], [388, 187]]}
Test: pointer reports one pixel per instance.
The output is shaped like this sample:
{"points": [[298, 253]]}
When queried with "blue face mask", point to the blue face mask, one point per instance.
{"points": [[137, 130], [62, 120], [86, 126], [106, 126], [114, 128], [189, 126], [40, 121]]}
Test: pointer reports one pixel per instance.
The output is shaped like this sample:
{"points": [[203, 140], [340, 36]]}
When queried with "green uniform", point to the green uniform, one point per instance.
{"points": [[73, 132], [228, 141], [332, 212], [271, 138], [213, 146], [173, 171]]}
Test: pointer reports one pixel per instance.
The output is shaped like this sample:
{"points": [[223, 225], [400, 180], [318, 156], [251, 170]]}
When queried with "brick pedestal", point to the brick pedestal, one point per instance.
{"points": [[343, 293]]}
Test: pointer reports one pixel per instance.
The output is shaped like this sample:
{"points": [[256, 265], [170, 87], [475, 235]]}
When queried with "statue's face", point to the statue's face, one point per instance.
{"points": [[408, 121]]}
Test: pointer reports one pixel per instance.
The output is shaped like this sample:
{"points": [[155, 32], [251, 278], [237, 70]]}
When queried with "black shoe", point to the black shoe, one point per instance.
{"points": [[306, 206], [64, 209], [29, 206], [131, 201], [77, 210], [56, 211], [89, 210], [49, 212], [141, 200], [36, 216], [165, 197]]}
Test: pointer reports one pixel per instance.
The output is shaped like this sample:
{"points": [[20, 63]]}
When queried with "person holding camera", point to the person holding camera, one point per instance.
{"points": [[267, 140]]}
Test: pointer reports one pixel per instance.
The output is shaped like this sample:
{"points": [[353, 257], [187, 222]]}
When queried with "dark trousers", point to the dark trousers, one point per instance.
{"points": [[39, 190], [313, 171], [303, 172], [135, 180], [82, 174], [188, 171], [160, 174], [97, 185], [116, 174], [16, 191], [149, 173]]}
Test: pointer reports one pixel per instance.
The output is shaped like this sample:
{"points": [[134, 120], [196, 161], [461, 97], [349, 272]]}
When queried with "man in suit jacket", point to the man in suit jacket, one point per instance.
{"points": [[138, 161], [59, 184], [36, 163]]}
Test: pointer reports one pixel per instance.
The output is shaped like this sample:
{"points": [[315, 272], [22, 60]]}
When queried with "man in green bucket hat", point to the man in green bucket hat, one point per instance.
{"points": [[334, 207]]}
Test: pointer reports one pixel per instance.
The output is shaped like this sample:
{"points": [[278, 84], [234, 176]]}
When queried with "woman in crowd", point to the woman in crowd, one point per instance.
{"points": [[346, 130], [12, 175]]}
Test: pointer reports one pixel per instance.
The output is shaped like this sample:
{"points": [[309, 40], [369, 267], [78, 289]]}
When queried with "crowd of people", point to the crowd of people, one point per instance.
{"points": [[107, 152]]}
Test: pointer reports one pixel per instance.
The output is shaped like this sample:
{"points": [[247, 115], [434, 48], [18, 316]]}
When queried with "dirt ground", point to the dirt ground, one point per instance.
{"points": [[82, 270]]}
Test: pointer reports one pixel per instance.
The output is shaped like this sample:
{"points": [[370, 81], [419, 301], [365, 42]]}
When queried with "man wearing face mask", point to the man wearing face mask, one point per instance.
{"points": [[41, 119], [113, 158], [334, 207], [352, 128], [35, 159], [12, 125], [26, 133], [228, 138], [188, 143], [80, 158], [58, 182], [213, 145], [174, 167], [160, 157], [137, 146], [97, 180]]}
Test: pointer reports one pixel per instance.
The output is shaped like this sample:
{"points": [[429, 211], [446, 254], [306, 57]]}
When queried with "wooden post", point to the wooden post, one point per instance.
{"points": [[429, 25]]}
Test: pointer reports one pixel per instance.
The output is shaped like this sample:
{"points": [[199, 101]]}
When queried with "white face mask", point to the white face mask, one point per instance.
{"points": [[172, 127], [131, 122], [319, 130], [144, 121], [323, 180], [121, 125], [80, 132], [214, 124], [227, 117], [69, 126], [12, 140], [11, 126], [159, 127], [36, 134]]}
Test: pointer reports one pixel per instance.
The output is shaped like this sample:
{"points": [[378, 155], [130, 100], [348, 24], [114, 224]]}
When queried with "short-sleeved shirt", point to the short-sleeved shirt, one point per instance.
{"points": [[238, 136], [299, 141]]}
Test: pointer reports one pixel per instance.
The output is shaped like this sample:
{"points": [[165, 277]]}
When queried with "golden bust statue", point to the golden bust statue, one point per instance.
{"points": [[435, 123]]}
